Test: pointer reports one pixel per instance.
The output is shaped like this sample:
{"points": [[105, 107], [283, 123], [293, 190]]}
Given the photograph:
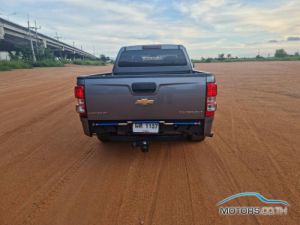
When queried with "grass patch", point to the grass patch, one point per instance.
{"points": [[48, 63], [20, 64], [14, 64], [257, 59], [89, 62]]}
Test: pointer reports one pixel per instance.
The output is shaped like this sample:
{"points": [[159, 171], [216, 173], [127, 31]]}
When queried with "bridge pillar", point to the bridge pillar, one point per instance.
{"points": [[44, 43], [43, 46], [2, 33]]}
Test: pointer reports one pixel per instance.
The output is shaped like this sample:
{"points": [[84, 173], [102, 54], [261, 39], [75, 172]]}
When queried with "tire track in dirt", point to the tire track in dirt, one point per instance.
{"points": [[260, 150], [36, 119], [251, 128], [149, 217], [189, 185], [9, 158], [141, 189], [206, 196], [52, 174], [269, 154], [43, 199]]}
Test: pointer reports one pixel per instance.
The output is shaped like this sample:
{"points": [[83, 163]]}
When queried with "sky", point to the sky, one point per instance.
{"points": [[207, 28]]}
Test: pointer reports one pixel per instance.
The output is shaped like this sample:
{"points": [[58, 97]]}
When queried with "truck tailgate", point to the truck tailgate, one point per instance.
{"points": [[145, 98]]}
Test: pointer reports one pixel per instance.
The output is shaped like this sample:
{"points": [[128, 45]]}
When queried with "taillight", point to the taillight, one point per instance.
{"points": [[211, 104], [79, 94]]}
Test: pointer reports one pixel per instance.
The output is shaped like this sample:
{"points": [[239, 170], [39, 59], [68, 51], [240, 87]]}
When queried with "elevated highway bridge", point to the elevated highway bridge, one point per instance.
{"points": [[14, 36]]}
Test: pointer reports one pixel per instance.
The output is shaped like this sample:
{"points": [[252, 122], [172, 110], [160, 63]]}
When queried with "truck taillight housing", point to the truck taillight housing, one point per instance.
{"points": [[79, 94], [211, 104]]}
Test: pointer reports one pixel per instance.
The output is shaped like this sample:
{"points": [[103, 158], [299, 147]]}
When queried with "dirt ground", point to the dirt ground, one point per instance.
{"points": [[51, 174]]}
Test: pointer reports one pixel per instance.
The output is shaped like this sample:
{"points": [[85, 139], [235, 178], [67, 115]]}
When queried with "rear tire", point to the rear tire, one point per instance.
{"points": [[104, 137], [196, 138]]}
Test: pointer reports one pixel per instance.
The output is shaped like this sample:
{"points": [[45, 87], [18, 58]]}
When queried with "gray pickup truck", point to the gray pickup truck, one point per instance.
{"points": [[152, 92]]}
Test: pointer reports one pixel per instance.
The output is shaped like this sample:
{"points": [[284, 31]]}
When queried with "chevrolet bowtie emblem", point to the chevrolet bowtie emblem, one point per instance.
{"points": [[144, 102]]}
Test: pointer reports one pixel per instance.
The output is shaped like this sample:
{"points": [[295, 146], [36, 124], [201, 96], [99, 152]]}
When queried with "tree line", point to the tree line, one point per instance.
{"points": [[280, 54]]}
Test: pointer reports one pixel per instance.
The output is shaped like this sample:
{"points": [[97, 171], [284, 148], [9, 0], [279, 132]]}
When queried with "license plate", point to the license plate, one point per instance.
{"points": [[145, 128]]}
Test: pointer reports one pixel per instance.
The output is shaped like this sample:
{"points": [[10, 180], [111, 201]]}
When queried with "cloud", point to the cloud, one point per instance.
{"points": [[206, 27], [293, 39], [243, 17], [244, 23], [288, 39]]}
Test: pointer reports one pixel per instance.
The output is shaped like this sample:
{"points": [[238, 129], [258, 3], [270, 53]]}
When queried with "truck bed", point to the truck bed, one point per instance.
{"points": [[141, 97]]}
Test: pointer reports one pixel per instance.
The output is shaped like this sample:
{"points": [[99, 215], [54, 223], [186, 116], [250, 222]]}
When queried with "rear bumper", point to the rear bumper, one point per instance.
{"points": [[166, 128]]}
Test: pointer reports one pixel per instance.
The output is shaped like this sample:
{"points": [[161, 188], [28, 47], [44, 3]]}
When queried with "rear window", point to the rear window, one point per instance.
{"points": [[152, 57]]}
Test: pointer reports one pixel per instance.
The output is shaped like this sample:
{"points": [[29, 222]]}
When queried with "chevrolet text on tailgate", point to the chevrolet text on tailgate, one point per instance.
{"points": [[153, 92]]}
